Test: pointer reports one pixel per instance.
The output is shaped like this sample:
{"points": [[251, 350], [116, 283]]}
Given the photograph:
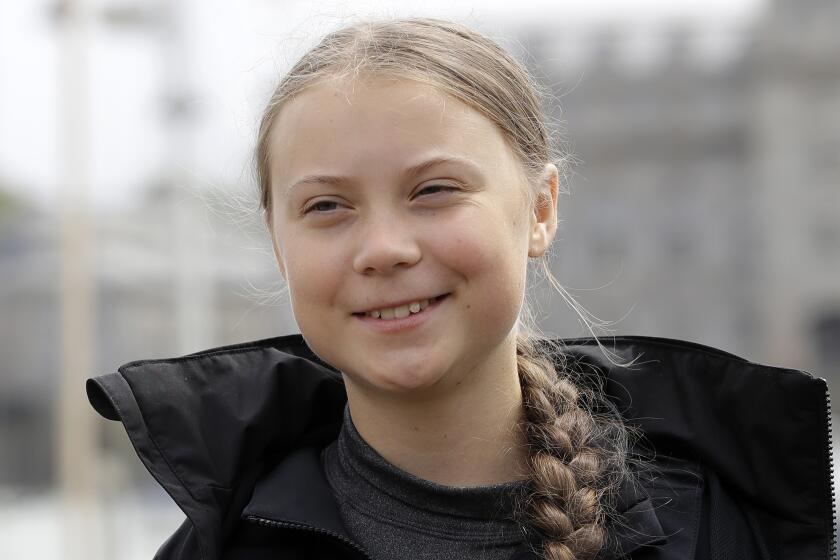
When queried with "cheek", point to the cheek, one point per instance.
{"points": [[313, 277], [493, 261]]}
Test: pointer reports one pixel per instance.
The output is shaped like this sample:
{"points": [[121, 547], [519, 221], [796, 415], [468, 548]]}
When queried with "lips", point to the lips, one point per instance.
{"points": [[400, 309], [395, 321]]}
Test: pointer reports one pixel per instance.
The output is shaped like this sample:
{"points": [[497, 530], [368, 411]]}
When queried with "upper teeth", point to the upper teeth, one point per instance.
{"points": [[401, 311]]}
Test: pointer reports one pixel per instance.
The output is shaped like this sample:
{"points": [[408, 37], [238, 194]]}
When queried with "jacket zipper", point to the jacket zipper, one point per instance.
{"points": [[301, 527], [832, 545]]}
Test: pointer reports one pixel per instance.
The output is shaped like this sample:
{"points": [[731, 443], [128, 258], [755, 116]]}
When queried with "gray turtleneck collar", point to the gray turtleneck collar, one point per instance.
{"points": [[396, 515]]}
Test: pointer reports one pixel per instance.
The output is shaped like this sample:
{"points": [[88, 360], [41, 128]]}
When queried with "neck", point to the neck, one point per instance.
{"points": [[467, 435]]}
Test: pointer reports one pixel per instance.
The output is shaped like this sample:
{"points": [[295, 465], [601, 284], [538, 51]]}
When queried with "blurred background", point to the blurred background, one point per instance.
{"points": [[705, 204]]}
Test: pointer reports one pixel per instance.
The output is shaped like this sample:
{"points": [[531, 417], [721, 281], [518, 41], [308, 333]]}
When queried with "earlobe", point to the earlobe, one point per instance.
{"points": [[538, 244], [544, 219]]}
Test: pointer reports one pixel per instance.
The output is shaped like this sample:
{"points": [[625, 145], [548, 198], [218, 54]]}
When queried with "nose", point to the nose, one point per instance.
{"points": [[384, 247]]}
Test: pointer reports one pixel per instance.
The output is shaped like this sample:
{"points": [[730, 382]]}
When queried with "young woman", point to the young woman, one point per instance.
{"points": [[408, 179]]}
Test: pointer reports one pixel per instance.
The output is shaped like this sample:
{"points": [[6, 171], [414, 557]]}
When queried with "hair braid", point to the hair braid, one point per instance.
{"points": [[569, 471]]}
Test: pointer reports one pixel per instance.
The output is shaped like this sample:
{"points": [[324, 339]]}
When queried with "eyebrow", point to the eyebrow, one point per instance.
{"points": [[409, 172]]}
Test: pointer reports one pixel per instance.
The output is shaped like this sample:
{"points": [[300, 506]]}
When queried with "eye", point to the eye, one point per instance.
{"points": [[321, 207], [433, 188]]}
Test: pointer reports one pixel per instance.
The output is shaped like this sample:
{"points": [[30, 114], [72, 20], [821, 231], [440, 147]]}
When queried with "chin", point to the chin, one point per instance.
{"points": [[403, 380]]}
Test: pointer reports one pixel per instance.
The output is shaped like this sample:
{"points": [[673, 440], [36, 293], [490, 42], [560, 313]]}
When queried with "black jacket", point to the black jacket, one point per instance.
{"points": [[234, 434]]}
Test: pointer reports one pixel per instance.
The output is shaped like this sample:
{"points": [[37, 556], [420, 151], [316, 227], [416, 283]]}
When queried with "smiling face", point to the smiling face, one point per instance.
{"points": [[388, 191]]}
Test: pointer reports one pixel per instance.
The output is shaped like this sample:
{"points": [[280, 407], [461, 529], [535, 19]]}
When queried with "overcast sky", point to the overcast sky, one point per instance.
{"points": [[228, 54]]}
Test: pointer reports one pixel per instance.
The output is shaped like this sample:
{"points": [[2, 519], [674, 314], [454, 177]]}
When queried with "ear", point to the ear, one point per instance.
{"points": [[544, 213]]}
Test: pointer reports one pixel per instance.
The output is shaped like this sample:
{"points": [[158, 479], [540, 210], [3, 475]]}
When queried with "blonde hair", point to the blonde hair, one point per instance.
{"points": [[577, 442]]}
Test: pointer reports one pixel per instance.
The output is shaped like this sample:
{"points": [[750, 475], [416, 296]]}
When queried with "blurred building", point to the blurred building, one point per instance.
{"points": [[710, 190], [143, 255], [28, 343]]}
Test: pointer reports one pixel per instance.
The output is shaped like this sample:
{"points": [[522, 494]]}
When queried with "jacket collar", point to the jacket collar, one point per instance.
{"points": [[295, 492], [206, 425]]}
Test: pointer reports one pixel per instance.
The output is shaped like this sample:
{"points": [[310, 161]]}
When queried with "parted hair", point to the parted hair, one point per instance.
{"points": [[577, 441]]}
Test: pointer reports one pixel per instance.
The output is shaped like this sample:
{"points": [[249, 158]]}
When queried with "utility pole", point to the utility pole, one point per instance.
{"points": [[75, 432]]}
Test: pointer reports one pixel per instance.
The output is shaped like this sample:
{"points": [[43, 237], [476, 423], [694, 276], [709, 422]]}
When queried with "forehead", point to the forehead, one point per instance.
{"points": [[378, 125]]}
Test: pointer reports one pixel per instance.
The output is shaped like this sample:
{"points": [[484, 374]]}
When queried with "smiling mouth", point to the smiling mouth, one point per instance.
{"points": [[401, 311]]}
